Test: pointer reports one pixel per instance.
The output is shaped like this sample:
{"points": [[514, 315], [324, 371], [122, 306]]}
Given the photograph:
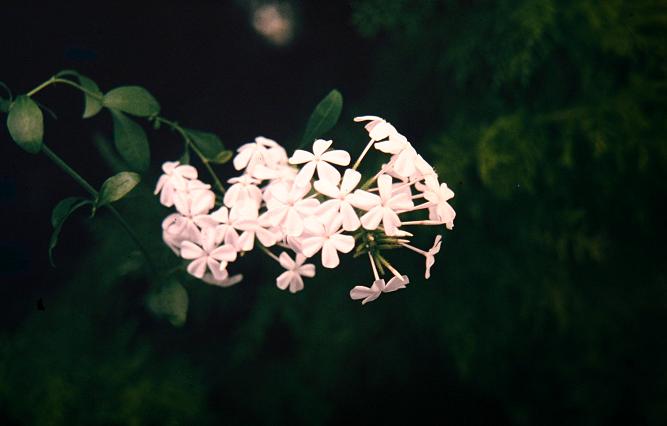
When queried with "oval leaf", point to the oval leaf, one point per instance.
{"points": [[93, 104], [116, 187], [131, 142], [133, 100], [324, 117], [208, 143], [60, 213], [26, 124], [170, 302]]}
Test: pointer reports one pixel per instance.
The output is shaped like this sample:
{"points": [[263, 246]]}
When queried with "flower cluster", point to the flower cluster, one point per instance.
{"points": [[312, 204]]}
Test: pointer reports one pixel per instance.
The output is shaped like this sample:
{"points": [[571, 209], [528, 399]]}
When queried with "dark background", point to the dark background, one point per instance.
{"points": [[547, 303]]}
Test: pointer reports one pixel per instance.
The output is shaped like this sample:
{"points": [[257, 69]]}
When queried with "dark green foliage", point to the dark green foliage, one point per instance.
{"points": [[131, 141], [117, 187], [25, 123], [323, 118]]}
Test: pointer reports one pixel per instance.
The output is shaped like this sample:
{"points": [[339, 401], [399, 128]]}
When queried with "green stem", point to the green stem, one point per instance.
{"points": [[175, 126], [78, 86], [92, 191], [42, 86]]}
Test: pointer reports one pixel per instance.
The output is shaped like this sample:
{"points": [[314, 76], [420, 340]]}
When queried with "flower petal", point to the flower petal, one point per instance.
{"points": [[372, 218], [321, 145], [337, 156], [300, 156], [305, 174], [326, 171], [351, 179], [189, 250], [330, 255], [197, 267]]}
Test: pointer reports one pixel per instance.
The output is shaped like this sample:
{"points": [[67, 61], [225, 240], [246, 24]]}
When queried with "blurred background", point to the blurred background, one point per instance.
{"points": [[548, 301]]}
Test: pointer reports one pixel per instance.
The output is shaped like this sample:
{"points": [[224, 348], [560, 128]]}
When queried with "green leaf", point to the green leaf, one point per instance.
{"points": [[185, 158], [117, 187], [170, 302], [222, 157], [131, 142], [93, 104], [133, 100], [208, 143], [60, 213], [26, 124], [324, 117]]}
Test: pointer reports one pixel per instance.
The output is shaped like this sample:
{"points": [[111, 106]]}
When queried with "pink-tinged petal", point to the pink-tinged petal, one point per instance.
{"points": [[187, 171], [361, 292], [160, 183], [225, 253], [246, 241], [330, 255], [342, 243], [307, 207], [202, 202], [189, 250], [404, 165], [286, 261], [311, 245], [401, 201], [205, 221], [364, 200], [445, 193], [208, 242], [382, 130], [307, 270], [378, 285], [296, 284], [430, 261], [232, 238], [326, 171], [321, 145], [221, 215], [284, 279], [300, 156], [396, 283], [337, 156], [367, 118], [169, 166], [182, 203], [305, 174], [446, 213], [232, 194], [327, 188], [436, 245], [243, 157], [350, 181], [349, 216], [274, 216], [372, 218], [167, 195], [214, 267], [385, 187], [197, 267], [266, 237], [390, 222], [228, 282], [328, 209], [293, 224]]}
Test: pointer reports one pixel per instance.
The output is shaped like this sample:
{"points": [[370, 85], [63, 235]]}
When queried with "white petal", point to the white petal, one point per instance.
{"points": [[286, 261], [243, 157], [284, 279], [361, 292], [197, 267], [293, 224], [351, 179], [311, 245], [349, 217], [300, 156], [326, 171], [190, 250], [305, 174], [225, 253], [372, 218], [296, 284], [364, 200], [321, 145], [342, 243], [327, 188], [267, 238], [396, 284], [384, 185], [307, 270], [390, 221], [337, 156], [330, 255]]}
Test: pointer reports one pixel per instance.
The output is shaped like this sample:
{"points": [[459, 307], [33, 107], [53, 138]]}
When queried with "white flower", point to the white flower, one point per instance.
{"points": [[177, 228], [294, 270], [287, 208], [326, 237], [382, 208], [175, 178], [320, 159], [378, 287], [195, 202], [261, 152], [438, 195], [247, 220], [341, 199], [244, 189], [208, 254]]}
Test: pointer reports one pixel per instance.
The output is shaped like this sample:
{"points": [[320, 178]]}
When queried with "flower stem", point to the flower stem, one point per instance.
{"points": [[175, 126], [363, 154], [268, 252], [92, 191]]}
